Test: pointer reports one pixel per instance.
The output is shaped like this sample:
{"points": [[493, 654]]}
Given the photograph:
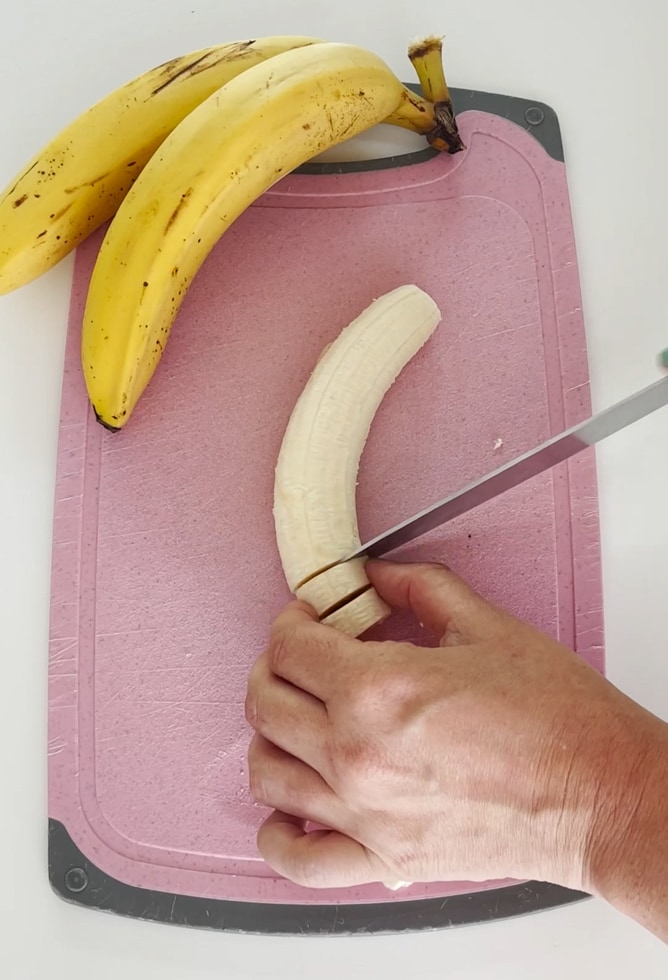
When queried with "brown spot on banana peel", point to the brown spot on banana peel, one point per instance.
{"points": [[413, 113], [58, 214], [417, 103], [22, 176], [107, 425], [175, 213], [350, 125], [188, 68], [167, 66], [19, 201], [232, 53], [86, 183]]}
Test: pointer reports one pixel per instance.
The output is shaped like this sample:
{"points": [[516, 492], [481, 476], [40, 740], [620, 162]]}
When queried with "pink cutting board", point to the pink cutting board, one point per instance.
{"points": [[166, 575]]}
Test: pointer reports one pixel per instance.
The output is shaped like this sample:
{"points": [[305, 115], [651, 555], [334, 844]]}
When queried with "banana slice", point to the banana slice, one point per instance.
{"points": [[340, 580], [314, 488], [359, 615]]}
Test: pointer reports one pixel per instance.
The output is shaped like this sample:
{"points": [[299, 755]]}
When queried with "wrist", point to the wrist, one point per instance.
{"points": [[626, 855]]}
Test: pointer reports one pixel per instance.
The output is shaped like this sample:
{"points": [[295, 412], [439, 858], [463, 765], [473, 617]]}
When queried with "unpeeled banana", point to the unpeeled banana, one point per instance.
{"points": [[77, 182], [230, 149], [314, 488]]}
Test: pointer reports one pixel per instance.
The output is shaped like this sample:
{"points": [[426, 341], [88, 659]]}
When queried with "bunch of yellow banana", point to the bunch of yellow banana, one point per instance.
{"points": [[173, 158]]}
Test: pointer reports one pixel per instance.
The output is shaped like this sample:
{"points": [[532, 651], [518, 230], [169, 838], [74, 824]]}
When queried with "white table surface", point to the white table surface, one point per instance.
{"points": [[602, 65]]}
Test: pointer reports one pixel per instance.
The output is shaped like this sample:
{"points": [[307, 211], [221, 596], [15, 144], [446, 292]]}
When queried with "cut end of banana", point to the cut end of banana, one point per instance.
{"points": [[359, 615], [334, 586], [343, 598]]}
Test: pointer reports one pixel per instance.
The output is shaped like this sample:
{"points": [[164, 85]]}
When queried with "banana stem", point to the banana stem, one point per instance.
{"points": [[413, 113], [436, 121], [426, 56]]}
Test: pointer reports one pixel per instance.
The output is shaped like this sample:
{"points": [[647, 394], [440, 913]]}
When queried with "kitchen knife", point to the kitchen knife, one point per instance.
{"points": [[543, 457]]}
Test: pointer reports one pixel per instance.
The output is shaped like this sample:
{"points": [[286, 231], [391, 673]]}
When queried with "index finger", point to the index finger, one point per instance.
{"points": [[307, 653]]}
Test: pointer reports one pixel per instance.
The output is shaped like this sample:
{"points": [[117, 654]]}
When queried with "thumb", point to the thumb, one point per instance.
{"points": [[439, 599]]}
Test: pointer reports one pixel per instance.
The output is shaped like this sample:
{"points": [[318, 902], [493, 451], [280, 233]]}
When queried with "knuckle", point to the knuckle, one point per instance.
{"points": [[379, 695], [304, 868], [281, 645], [362, 703], [297, 866], [258, 777], [354, 771], [254, 751], [250, 708], [253, 689], [429, 575], [255, 706], [431, 568], [307, 873], [258, 787]]}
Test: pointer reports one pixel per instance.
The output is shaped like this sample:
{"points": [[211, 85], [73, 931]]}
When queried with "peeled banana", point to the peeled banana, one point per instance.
{"points": [[219, 159], [77, 182], [314, 488]]}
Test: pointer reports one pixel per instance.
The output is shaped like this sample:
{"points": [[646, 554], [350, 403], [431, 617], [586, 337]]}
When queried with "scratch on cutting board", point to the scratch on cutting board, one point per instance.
{"points": [[336, 918], [57, 655], [499, 333], [56, 745]]}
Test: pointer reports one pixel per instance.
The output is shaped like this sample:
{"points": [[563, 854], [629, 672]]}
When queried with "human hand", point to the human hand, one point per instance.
{"points": [[500, 754]]}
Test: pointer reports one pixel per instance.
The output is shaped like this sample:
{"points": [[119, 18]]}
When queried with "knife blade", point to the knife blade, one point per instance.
{"points": [[551, 452]]}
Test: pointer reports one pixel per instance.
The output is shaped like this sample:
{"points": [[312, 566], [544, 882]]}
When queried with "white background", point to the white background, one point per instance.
{"points": [[602, 65]]}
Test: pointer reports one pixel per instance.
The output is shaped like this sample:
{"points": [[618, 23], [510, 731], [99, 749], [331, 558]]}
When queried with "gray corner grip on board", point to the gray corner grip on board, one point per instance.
{"points": [[76, 879], [536, 118]]}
